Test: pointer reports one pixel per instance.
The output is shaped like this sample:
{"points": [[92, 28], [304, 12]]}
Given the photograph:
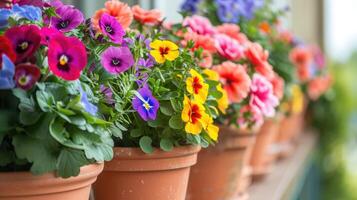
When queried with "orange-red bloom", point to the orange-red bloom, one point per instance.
{"points": [[232, 31], [235, 80], [301, 56], [259, 58], [151, 17], [278, 86], [121, 11], [205, 42], [319, 86]]}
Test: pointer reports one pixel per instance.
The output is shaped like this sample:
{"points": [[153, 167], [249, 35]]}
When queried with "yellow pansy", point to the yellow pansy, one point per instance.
{"points": [[297, 102], [163, 50], [192, 114], [196, 86], [223, 102], [212, 75], [210, 128]]}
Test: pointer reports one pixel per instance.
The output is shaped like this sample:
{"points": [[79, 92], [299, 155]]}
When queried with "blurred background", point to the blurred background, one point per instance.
{"points": [[332, 25]]}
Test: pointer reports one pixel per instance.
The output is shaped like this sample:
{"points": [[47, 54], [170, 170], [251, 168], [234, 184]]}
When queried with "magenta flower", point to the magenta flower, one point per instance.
{"points": [[68, 18], [47, 33], [117, 59], [228, 47], [111, 28], [25, 40], [199, 25], [146, 104], [262, 96], [67, 57], [27, 75]]}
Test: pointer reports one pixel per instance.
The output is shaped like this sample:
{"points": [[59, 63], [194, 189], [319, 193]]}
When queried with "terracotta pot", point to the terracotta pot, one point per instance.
{"points": [[261, 153], [216, 174], [289, 128], [134, 175], [24, 185]]}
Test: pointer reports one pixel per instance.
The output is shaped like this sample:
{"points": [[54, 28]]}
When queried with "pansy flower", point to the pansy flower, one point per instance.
{"points": [[47, 33], [116, 60], [196, 86], [25, 40], [146, 104], [111, 28], [163, 50], [67, 57], [7, 73], [193, 115], [27, 75], [6, 48], [68, 18]]}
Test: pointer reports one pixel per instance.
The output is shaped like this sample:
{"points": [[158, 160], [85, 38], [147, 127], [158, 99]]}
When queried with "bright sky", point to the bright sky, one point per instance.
{"points": [[341, 28]]}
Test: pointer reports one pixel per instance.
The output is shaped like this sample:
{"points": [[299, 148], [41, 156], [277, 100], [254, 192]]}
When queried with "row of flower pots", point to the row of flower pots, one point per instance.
{"points": [[127, 105]]}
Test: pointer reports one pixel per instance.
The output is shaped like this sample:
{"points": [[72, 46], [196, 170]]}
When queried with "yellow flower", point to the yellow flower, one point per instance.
{"points": [[210, 128], [212, 75], [223, 101], [297, 102], [192, 114], [163, 50], [195, 85]]}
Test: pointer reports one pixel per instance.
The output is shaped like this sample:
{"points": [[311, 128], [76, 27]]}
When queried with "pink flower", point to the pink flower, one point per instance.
{"points": [[278, 86], [207, 59], [200, 41], [259, 58], [249, 117], [235, 80], [262, 96], [319, 86], [233, 31], [228, 47], [199, 24], [47, 33]]}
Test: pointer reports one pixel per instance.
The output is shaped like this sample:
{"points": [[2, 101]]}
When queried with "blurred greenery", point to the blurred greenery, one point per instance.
{"points": [[334, 115]]}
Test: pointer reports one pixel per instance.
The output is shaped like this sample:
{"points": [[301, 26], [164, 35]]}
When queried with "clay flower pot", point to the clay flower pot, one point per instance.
{"points": [[261, 154], [218, 169], [134, 175], [24, 185]]}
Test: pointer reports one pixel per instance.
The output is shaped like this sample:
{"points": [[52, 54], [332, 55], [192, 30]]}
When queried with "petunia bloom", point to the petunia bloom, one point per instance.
{"points": [[259, 59], [6, 48], [7, 73], [318, 86], [111, 28], [25, 40], [262, 96], [205, 42], [196, 86], [148, 17], [163, 50], [235, 80], [250, 117], [200, 25], [146, 104], [278, 86], [233, 31], [47, 34], [121, 11], [67, 57], [68, 18], [116, 60], [301, 56], [228, 47], [26, 75], [206, 60]]}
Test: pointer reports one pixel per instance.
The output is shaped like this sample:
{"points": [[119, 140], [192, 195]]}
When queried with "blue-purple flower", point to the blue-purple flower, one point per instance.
{"points": [[228, 11], [88, 106], [116, 60], [111, 28], [4, 16], [29, 12], [190, 6], [68, 18], [7, 73], [149, 62], [146, 104]]}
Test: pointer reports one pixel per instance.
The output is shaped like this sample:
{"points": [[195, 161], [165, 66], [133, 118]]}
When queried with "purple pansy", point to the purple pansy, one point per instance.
{"points": [[27, 75], [7, 72], [108, 93], [68, 18], [111, 28], [25, 40], [116, 60], [146, 104]]}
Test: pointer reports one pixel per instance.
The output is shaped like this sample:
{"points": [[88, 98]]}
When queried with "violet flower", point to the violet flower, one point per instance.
{"points": [[190, 6], [68, 18], [27, 75], [7, 72], [108, 93], [149, 62], [116, 60], [146, 104], [111, 28]]}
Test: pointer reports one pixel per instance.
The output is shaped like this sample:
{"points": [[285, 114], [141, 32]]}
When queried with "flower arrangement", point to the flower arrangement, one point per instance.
{"points": [[49, 119]]}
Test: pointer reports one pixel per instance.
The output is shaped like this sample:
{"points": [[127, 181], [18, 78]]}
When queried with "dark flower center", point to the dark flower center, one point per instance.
{"points": [[22, 47], [116, 62], [63, 61], [109, 29], [164, 50], [63, 24]]}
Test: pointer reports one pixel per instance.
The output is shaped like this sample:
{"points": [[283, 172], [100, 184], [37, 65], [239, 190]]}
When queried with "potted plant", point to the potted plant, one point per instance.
{"points": [[52, 139], [160, 101]]}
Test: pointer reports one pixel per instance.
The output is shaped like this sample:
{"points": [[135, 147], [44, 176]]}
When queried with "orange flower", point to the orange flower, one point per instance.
{"points": [[146, 16], [265, 27], [235, 80], [319, 86], [121, 11], [259, 58], [278, 86], [301, 56]]}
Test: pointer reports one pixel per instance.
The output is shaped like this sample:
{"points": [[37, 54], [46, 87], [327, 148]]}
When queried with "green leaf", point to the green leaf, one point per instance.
{"points": [[146, 144], [176, 122], [65, 111], [69, 162], [77, 120], [116, 132], [41, 128], [175, 105], [99, 153], [136, 133], [29, 118], [166, 144], [166, 108], [42, 100], [59, 133]]}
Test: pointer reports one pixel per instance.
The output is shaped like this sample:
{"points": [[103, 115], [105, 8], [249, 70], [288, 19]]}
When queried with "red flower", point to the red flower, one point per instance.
{"points": [[301, 56], [6, 48], [27, 75], [259, 58]]}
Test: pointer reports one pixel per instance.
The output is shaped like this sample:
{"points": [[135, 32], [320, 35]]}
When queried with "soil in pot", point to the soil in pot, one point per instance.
{"points": [[25, 186], [134, 175]]}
